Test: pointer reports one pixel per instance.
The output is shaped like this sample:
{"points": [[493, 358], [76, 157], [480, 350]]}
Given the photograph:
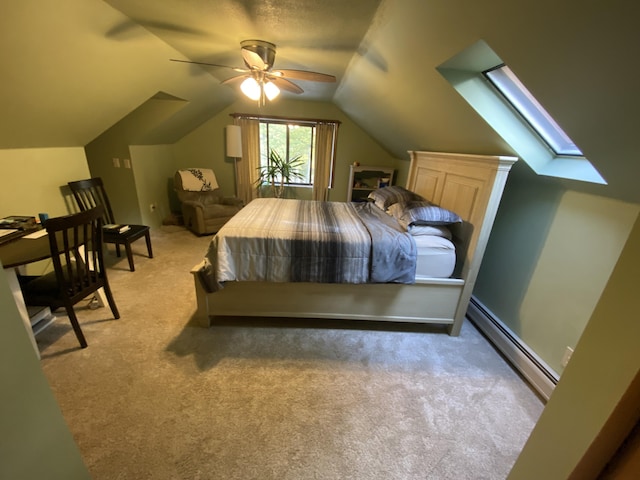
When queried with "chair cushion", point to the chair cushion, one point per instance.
{"points": [[134, 232]]}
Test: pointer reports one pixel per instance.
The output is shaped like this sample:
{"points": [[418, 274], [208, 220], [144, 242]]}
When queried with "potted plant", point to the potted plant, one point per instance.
{"points": [[279, 172]]}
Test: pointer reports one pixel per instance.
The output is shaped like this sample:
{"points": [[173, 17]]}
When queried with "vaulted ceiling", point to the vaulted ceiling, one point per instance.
{"points": [[73, 69]]}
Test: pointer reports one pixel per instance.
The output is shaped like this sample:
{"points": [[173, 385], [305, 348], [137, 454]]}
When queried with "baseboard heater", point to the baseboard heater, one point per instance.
{"points": [[533, 368]]}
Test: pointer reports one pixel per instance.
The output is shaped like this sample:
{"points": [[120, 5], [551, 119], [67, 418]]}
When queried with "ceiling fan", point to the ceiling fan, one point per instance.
{"points": [[258, 80]]}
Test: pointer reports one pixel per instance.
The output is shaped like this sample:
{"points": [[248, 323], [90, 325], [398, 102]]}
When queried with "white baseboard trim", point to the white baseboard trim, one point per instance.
{"points": [[535, 370]]}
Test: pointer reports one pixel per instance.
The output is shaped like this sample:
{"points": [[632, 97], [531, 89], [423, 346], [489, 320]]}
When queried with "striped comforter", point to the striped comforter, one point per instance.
{"points": [[282, 240]]}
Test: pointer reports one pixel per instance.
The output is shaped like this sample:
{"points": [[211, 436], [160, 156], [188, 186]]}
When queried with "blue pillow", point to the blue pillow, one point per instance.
{"points": [[422, 213]]}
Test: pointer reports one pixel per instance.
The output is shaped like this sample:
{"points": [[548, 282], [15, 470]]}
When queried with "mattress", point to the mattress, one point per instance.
{"points": [[436, 256]]}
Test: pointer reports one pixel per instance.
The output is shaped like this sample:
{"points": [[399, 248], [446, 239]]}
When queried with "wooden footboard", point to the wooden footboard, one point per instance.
{"points": [[427, 301]]}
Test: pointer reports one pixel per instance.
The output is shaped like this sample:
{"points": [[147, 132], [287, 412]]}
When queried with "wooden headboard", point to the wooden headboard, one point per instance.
{"points": [[471, 186]]}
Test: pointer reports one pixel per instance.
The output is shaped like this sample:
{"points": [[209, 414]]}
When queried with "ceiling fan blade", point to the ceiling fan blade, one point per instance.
{"points": [[284, 84], [233, 80], [303, 75], [241, 70]]}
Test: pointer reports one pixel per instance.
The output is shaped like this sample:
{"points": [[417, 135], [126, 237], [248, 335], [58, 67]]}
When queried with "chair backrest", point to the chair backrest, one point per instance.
{"points": [[189, 194], [90, 193], [76, 251]]}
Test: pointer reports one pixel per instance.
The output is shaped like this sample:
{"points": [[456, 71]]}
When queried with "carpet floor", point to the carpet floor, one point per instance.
{"points": [[156, 397]]}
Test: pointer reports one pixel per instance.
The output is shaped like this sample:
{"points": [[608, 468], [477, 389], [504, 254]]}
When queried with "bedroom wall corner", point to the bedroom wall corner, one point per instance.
{"points": [[106, 159], [548, 259], [153, 169]]}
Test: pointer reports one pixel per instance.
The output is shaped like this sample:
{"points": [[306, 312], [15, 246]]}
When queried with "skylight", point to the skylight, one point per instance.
{"points": [[505, 81], [480, 76]]}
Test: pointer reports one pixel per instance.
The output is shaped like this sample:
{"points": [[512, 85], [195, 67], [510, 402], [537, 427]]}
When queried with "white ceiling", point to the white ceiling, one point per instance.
{"points": [[72, 69]]}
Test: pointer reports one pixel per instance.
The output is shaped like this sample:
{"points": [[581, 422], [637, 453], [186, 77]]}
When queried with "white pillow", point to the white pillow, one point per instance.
{"points": [[437, 231]]}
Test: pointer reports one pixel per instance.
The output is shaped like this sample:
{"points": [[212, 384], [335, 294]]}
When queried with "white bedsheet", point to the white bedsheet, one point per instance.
{"points": [[436, 256]]}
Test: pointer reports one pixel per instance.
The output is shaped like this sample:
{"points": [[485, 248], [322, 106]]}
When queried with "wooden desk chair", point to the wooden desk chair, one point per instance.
{"points": [[90, 193], [76, 250]]}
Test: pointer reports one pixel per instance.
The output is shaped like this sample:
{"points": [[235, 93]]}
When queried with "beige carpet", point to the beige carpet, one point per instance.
{"points": [[154, 397]]}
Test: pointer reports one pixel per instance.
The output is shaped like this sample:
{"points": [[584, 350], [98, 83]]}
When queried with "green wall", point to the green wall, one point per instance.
{"points": [[35, 180], [119, 181], [548, 260], [153, 169], [131, 181], [204, 146], [150, 178], [602, 368]]}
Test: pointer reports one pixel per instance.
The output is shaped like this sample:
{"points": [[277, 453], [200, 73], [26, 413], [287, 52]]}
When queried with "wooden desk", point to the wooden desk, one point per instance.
{"points": [[18, 252], [23, 250]]}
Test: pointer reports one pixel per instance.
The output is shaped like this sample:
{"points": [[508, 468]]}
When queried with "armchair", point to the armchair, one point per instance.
{"points": [[204, 208]]}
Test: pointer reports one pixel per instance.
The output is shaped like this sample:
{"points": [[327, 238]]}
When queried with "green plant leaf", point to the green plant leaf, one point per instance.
{"points": [[280, 171]]}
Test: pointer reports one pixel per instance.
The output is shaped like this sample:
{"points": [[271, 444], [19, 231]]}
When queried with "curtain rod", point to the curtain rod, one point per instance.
{"points": [[276, 117]]}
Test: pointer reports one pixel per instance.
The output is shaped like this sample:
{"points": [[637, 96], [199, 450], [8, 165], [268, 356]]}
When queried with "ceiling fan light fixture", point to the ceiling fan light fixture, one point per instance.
{"points": [[271, 90], [251, 88], [258, 53], [258, 81]]}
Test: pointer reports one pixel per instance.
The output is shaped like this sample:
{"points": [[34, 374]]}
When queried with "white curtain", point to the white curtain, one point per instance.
{"points": [[325, 142], [247, 169]]}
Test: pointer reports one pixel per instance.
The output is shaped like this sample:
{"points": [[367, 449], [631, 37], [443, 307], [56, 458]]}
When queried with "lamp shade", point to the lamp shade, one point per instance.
{"points": [[251, 88], [234, 141], [271, 90]]}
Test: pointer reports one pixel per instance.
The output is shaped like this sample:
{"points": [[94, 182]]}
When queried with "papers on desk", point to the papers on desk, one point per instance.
{"points": [[36, 234], [21, 223], [7, 231]]}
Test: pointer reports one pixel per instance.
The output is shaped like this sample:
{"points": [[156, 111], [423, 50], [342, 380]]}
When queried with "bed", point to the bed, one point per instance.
{"points": [[468, 185]]}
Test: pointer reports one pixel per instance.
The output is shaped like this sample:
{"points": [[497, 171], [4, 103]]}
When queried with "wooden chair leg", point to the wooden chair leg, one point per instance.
{"points": [[76, 326], [127, 247], [117, 249], [147, 238], [111, 301]]}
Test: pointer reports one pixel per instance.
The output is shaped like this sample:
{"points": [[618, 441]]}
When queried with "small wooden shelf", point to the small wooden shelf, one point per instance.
{"points": [[364, 179]]}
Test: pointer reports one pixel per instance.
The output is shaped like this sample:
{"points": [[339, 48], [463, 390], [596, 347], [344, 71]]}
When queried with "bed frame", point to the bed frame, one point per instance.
{"points": [[470, 185]]}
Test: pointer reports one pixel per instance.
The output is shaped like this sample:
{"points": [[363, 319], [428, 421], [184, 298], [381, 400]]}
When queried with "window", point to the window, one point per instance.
{"points": [[290, 139], [480, 76], [505, 81]]}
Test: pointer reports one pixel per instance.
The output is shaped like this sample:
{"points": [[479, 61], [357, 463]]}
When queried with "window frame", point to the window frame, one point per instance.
{"points": [[531, 111], [306, 122], [289, 123]]}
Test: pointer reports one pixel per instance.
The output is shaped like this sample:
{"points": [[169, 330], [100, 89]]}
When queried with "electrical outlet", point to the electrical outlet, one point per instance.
{"points": [[567, 356], [152, 207], [116, 162], [126, 162]]}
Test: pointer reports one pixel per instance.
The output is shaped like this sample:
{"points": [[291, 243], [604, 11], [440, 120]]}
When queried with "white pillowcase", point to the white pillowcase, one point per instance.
{"points": [[438, 231]]}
